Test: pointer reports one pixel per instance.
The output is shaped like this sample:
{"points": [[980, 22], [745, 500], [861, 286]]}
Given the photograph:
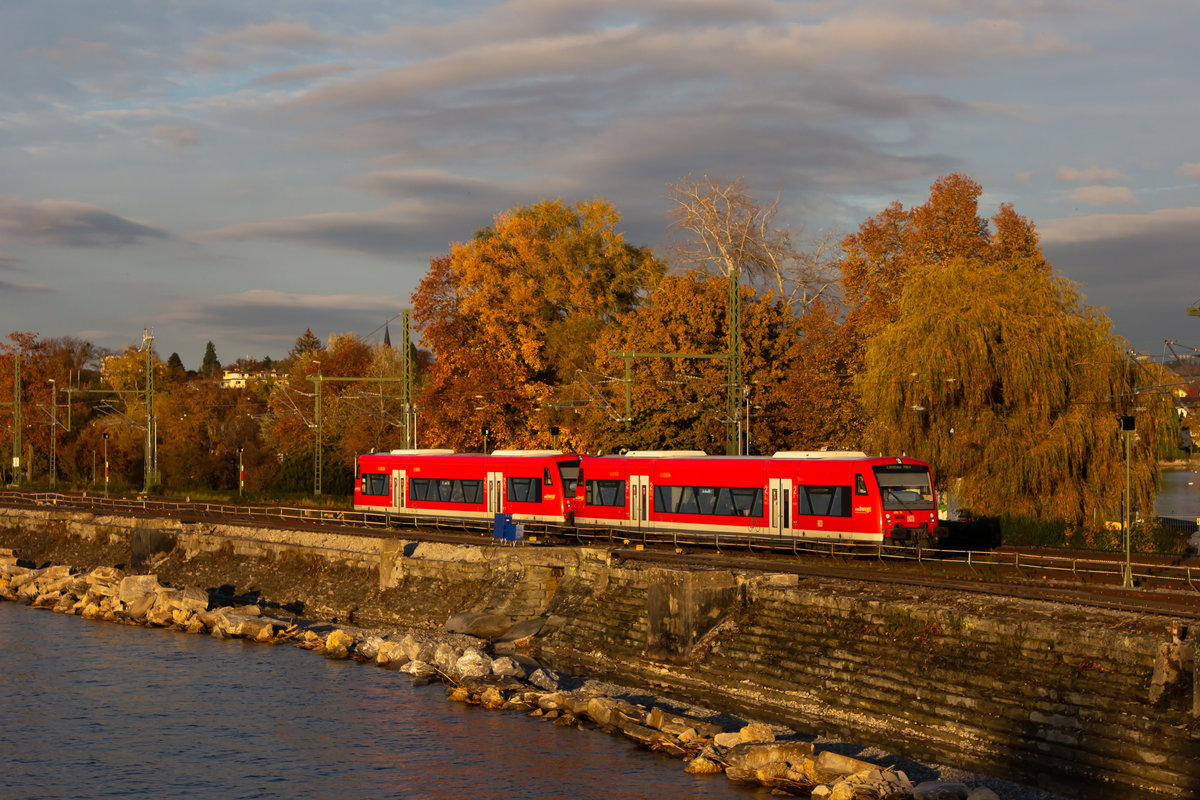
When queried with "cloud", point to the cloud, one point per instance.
{"points": [[1091, 174], [1103, 195], [271, 320], [410, 228], [1140, 266], [1190, 169], [303, 74], [65, 222], [1022, 178], [24, 288], [77, 53], [251, 44], [173, 136], [1163, 224]]}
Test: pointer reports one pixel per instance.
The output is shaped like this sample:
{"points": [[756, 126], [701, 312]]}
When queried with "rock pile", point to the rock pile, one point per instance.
{"points": [[494, 681]]}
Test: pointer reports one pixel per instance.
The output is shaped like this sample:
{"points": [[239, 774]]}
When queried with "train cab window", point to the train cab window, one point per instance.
{"points": [[375, 484], [524, 490], [546, 479], [860, 485], [824, 501], [605, 493]]}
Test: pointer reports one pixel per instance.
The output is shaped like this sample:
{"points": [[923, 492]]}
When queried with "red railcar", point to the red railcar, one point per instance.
{"points": [[836, 496], [532, 485]]}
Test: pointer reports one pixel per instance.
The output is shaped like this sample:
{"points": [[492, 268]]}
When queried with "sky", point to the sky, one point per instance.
{"points": [[238, 172]]}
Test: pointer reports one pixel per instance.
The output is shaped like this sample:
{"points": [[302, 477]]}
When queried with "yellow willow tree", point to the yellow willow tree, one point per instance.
{"points": [[994, 371], [512, 314]]}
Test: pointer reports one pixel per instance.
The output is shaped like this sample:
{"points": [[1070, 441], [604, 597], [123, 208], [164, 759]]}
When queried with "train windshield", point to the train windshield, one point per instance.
{"points": [[905, 486], [569, 472]]}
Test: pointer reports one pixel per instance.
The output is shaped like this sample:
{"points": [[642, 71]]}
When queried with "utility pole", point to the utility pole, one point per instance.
{"points": [[53, 434], [16, 456], [406, 390], [733, 405], [1127, 430], [317, 434], [150, 473]]}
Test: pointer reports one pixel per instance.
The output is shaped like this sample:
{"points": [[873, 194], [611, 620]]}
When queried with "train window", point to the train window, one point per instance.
{"points": [[445, 490], [825, 501], [569, 472], [905, 486], [546, 479], [708, 500], [524, 490], [860, 484], [375, 484], [605, 493]]}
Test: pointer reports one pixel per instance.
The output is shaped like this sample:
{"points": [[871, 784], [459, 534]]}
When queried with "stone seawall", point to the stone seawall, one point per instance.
{"points": [[1081, 702]]}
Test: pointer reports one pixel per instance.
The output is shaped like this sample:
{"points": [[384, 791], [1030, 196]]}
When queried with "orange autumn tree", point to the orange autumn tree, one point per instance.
{"points": [[679, 403], [512, 314]]}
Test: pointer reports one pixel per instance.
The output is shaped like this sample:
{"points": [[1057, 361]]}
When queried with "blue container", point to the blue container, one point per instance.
{"points": [[503, 527]]}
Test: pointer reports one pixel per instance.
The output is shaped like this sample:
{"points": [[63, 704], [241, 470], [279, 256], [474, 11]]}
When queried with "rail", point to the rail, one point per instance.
{"points": [[1078, 569]]}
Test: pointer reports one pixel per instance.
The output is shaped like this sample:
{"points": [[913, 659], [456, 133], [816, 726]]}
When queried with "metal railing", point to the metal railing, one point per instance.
{"points": [[1079, 569]]}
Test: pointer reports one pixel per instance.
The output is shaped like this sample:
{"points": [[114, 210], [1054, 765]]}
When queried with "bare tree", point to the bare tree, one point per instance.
{"points": [[719, 227]]}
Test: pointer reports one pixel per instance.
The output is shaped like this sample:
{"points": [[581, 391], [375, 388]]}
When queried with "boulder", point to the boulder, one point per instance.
{"points": [[703, 766], [757, 732], [369, 647], [420, 670], [445, 656], [757, 755], [391, 654], [133, 587], [727, 739], [472, 664], [544, 679], [982, 793], [830, 766], [614, 712], [940, 790], [506, 667], [492, 699], [47, 600], [640, 733], [479, 625], [192, 599], [677, 724], [551, 701], [338, 638], [139, 608]]}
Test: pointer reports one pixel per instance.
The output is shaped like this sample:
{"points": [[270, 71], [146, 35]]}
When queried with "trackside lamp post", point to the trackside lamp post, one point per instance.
{"points": [[106, 465], [241, 472], [1127, 431]]}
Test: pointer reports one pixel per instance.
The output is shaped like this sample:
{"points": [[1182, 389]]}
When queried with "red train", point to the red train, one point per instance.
{"points": [[827, 496]]}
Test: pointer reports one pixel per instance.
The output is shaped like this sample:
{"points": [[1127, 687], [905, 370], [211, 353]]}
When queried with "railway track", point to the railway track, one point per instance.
{"points": [[1164, 586]]}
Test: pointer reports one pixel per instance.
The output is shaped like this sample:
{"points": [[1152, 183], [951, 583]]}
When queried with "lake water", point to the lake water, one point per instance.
{"points": [[98, 710], [1179, 493]]}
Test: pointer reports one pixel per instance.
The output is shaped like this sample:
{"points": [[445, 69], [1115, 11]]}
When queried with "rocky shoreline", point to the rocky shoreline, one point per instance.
{"points": [[480, 662]]}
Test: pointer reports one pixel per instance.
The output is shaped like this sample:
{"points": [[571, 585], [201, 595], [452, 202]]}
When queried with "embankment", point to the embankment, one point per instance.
{"points": [[1083, 703]]}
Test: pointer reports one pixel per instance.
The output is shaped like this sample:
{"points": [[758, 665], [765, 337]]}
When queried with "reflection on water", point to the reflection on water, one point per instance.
{"points": [[93, 709], [1179, 493]]}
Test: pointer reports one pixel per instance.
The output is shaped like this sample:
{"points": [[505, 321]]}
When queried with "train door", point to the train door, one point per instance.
{"points": [[868, 515], [780, 496], [399, 489], [639, 501], [495, 492]]}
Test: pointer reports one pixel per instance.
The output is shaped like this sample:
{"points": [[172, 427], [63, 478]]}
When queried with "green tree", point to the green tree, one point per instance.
{"points": [[306, 344], [210, 367]]}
